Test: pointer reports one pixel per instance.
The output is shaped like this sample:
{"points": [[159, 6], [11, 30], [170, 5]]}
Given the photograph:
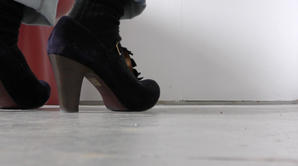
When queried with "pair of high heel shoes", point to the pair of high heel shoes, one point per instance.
{"points": [[75, 53]]}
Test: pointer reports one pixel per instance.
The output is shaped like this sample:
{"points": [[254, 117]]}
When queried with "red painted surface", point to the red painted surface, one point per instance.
{"points": [[33, 43]]}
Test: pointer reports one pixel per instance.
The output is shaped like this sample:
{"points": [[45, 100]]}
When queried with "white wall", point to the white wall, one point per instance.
{"points": [[216, 49]]}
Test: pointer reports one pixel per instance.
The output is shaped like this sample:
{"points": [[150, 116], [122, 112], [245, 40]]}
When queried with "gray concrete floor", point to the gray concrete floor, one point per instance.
{"points": [[164, 136]]}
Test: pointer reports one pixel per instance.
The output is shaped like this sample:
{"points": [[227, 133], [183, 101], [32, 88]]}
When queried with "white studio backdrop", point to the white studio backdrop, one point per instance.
{"points": [[216, 49]]}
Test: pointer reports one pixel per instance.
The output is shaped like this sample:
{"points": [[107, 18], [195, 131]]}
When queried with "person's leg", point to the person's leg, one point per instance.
{"points": [[19, 88], [11, 14], [87, 44], [102, 17], [90, 9]]}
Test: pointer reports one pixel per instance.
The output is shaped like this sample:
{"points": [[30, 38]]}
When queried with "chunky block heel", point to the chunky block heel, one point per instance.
{"points": [[69, 77]]}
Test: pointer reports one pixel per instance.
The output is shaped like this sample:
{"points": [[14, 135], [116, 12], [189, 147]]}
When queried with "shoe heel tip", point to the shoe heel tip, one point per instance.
{"points": [[67, 110]]}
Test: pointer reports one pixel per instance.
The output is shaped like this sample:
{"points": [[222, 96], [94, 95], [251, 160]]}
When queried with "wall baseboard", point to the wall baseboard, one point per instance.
{"points": [[209, 102]]}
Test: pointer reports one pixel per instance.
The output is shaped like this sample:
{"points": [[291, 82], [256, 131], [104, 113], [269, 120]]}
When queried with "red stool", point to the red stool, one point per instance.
{"points": [[33, 43]]}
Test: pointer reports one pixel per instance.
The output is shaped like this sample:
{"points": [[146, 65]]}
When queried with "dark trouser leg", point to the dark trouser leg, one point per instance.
{"points": [[100, 16], [11, 14]]}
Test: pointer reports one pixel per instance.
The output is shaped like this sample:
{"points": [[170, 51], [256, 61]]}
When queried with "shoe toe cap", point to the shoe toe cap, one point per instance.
{"points": [[44, 92], [150, 94]]}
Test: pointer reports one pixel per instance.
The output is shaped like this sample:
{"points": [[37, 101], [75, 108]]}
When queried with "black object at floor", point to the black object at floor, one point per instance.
{"points": [[19, 86], [76, 53], [23, 87]]}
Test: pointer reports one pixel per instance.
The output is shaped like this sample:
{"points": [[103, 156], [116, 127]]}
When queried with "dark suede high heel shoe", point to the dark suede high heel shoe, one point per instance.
{"points": [[76, 53], [19, 88]]}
